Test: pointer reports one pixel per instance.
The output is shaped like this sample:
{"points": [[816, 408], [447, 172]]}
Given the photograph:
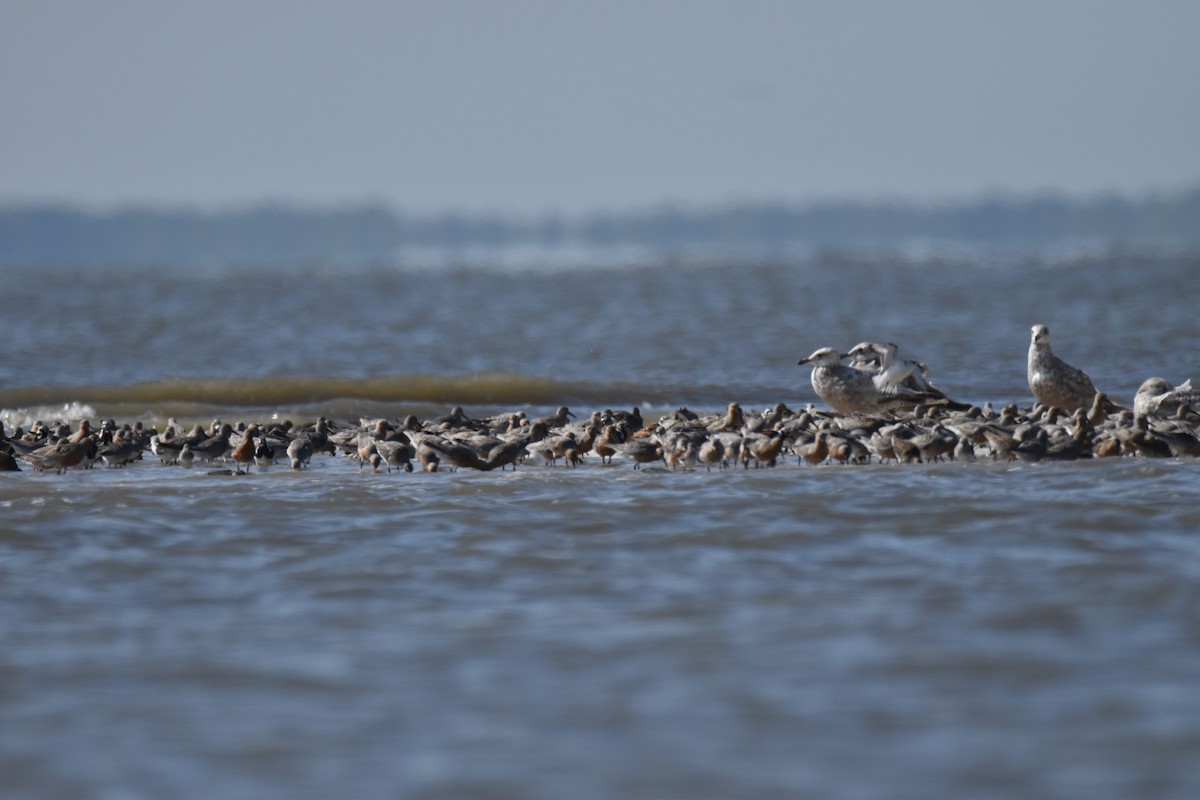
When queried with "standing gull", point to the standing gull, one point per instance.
{"points": [[1053, 381]]}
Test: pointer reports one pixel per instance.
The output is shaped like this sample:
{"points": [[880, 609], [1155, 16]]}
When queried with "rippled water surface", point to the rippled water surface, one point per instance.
{"points": [[940, 630]]}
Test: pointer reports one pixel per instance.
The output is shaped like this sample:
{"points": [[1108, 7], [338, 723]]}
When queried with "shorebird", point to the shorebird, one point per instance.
{"points": [[63, 455], [712, 453], [318, 436], [605, 445], [244, 452], [731, 446], [507, 452], [396, 453], [733, 420], [643, 450], [552, 448], [167, 448], [455, 420], [905, 449], [816, 451], [214, 447], [681, 453], [935, 443], [432, 450], [1145, 441], [558, 419], [365, 449], [764, 449], [1077, 443], [264, 453], [122, 450], [300, 452], [1053, 381]]}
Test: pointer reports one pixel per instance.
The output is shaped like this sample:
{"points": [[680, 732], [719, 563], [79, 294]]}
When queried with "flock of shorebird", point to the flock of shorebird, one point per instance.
{"points": [[883, 408]]}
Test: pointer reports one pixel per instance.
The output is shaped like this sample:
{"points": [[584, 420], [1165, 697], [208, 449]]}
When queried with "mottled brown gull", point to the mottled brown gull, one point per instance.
{"points": [[1053, 381]]}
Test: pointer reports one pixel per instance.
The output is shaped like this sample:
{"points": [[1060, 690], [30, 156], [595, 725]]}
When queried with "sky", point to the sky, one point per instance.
{"points": [[528, 107]]}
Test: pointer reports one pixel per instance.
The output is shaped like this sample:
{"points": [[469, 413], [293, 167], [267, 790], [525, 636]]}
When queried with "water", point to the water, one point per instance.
{"points": [[941, 630]]}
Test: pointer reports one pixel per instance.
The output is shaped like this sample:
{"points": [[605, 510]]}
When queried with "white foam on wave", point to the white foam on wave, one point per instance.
{"points": [[66, 412]]}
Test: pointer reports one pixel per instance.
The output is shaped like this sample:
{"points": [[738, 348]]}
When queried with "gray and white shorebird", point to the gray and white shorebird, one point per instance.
{"points": [[300, 452], [1053, 381], [853, 391]]}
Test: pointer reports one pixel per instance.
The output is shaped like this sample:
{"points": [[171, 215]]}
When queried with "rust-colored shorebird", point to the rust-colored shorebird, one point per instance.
{"points": [[244, 452]]}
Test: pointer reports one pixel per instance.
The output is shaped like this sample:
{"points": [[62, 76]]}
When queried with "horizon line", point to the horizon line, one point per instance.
{"points": [[1000, 195]]}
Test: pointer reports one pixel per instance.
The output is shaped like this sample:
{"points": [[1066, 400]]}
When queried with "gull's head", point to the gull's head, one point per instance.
{"points": [[1041, 334], [862, 348], [825, 357], [864, 354], [1154, 386]]}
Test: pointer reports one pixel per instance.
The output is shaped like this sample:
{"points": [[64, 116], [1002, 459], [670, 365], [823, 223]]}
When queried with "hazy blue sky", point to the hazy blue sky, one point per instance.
{"points": [[525, 107]]}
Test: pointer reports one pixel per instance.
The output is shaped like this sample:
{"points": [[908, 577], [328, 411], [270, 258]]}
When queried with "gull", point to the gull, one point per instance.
{"points": [[1053, 381], [852, 391], [894, 375], [1156, 398]]}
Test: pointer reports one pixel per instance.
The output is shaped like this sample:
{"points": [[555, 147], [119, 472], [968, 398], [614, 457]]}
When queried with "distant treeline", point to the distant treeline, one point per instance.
{"points": [[67, 235]]}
